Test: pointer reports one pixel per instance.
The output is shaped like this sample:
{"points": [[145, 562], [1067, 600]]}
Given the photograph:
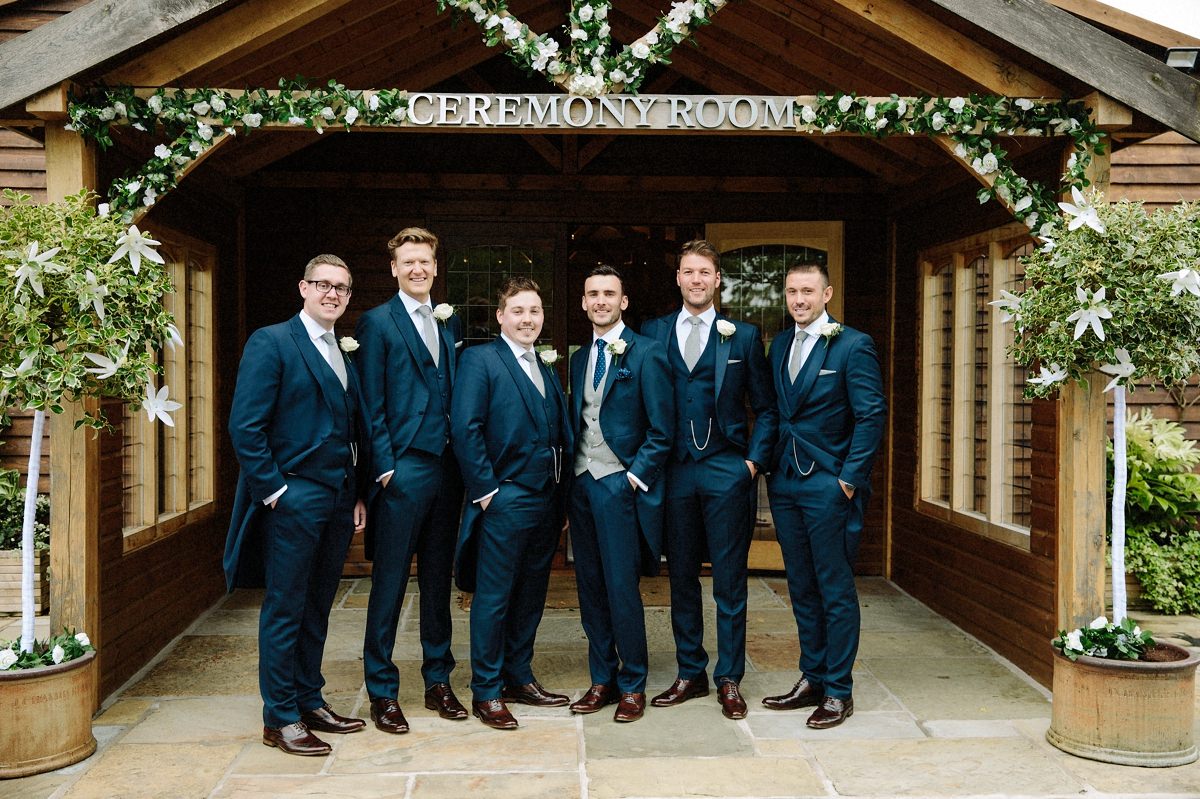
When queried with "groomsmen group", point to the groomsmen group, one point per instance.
{"points": [[393, 431]]}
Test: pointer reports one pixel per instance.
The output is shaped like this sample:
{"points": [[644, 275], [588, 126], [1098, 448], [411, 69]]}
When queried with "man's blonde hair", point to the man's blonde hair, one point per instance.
{"points": [[412, 235]]}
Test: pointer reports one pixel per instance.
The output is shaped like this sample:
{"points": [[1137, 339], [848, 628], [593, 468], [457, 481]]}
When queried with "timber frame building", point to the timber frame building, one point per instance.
{"points": [[987, 507]]}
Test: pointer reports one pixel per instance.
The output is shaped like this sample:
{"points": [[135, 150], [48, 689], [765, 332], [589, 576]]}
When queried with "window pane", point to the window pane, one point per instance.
{"points": [[981, 366], [1016, 480], [475, 274], [939, 362]]}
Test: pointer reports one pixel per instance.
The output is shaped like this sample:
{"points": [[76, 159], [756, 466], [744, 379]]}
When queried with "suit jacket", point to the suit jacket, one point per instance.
{"points": [[637, 418], [835, 417], [494, 420], [741, 372], [281, 422], [398, 378]]}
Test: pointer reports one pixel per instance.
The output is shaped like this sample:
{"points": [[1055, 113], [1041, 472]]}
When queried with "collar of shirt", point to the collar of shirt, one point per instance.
{"points": [[814, 329], [609, 337], [518, 351], [709, 317], [315, 331], [411, 305]]}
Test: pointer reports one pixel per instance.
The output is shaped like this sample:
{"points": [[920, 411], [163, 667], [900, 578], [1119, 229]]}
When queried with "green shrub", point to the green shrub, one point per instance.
{"points": [[12, 511], [1162, 511]]}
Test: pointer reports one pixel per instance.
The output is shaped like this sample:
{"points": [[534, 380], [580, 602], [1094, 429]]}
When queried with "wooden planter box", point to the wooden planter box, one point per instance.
{"points": [[10, 581], [1131, 712]]}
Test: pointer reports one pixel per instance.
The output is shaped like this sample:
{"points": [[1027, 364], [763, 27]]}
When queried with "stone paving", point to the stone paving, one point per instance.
{"points": [[936, 715]]}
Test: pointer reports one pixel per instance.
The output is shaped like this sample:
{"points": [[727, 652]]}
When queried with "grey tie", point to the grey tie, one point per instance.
{"points": [[430, 332], [535, 373], [797, 350], [691, 347], [335, 359]]}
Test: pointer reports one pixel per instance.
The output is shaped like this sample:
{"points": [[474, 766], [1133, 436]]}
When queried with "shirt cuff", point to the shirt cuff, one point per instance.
{"points": [[639, 483], [488, 495], [385, 475], [275, 496]]}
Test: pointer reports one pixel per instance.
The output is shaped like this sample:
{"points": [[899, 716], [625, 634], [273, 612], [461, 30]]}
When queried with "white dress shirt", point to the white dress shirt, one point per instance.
{"points": [[683, 328], [810, 341]]}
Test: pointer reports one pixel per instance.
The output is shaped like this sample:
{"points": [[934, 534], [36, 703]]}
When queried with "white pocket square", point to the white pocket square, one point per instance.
{"points": [[824, 372], [457, 344], [734, 360]]}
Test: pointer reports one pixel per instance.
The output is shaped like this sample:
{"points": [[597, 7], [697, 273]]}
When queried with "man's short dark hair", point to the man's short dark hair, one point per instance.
{"points": [[513, 285], [604, 270], [705, 249], [804, 265]]}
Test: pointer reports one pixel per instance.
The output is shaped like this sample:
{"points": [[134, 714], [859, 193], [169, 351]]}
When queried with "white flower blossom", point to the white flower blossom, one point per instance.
{"points": [[844, 103], [1082, 212], [807, 114], [162, 151], [373, 102], [1122, 370], [726, 328], [106, 367], [1023, 203], [173, 339], [93, 294], [1049, 375], [1024, 104], [640, 51], [348, 343], [8, 659], [579, 34], [881, 123], [960, 150], [204, 131], [217, 103], [196, 147], [1091, 314], [957, 104], [157, 404], [443, 311], [399, 114], [108, 114], [295, 120], [585, 13], [651, 38], [120, 108], [150, 197], [1183, 280], [602, 12], [103, 209], [137, 247], [134, 187], [57, 654], [617, 76], [939, 120], [33, 266], [1009, 305], [252, 120], [869, 111], [201, 108], [512, 28], [1098, 623], [1075, 640], [549, 357], [83, 639], [492, 22], [351, 115], [617, 348], [328, 113], [901, 107], [155, 104]]}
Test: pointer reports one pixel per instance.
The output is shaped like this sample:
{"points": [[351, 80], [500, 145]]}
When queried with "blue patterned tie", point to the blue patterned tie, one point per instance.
{"points": [[598, 375]]}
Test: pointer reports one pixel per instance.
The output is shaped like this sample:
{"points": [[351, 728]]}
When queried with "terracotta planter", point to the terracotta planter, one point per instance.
{"points": [[46, 717], [1131, 712], [10, 581]]}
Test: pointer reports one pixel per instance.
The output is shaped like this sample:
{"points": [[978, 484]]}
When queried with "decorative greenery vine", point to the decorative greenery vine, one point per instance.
{"points": [[193, 120]]}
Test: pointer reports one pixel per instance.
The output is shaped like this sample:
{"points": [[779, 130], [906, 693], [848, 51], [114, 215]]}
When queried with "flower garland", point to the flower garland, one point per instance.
{"points": [[196, 119], [974, 123], [590, 67]]}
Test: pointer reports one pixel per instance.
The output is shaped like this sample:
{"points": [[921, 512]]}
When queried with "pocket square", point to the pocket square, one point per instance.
{"points": [[824, 372], [734, 360], [457, 344]]}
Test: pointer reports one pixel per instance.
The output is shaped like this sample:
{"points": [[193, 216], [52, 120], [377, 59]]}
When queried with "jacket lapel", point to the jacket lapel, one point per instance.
{"points": [[811, 370], [578, 370], [610, 376], [724, 347], [780, 351], [322, 372], [408, 332], [449, 352], [524, 385]]}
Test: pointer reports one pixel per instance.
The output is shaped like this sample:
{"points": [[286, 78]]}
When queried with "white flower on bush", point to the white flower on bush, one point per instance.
{"points": [[1023, 203], [155, 104], [1049, 375], [1122, 370], [1091, 314], [328, 113], [108, 114], [157, 404], [204, 131], [807, 114], [1009, 305], [1183, 280], [57, 654], [1098, 623], [136, 246], [103, 209], [1024, 104], [373, 102], [617, 76], [1075, 640], [511, 28], [83, 639], [602, 12], [7, 659], [579, 34], [33, 265], [938, 121]]}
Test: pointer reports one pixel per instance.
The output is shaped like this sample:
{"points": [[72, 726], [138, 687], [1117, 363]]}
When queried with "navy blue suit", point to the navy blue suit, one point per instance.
{"points": [[507, 437], [617, 532], [417, 512], [830, 423], [710, 492], [292, 424]]}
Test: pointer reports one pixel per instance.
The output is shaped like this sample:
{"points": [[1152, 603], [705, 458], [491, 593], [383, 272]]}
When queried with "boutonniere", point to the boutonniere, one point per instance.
{"points": [[443, 311], [624, 374], [830, 329], [726, 329], [348, 343], [549, 357], [617, 348]]}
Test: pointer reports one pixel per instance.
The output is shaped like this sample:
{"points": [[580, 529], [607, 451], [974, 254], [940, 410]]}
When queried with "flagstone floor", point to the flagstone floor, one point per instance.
{"points": [[936, 715]]}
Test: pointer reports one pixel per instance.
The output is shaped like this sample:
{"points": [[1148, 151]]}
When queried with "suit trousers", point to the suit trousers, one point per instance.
{"points": [[709, 506], [606, 542], [305, 538], [516, 540], [818, 529], [416, 513]]}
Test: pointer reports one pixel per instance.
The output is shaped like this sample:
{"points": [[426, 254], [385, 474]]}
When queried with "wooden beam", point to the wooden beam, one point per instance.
{"points": [[92, 33], [1107, 64], [989, 180], [74, 453], [1123, 21], [250, 26], [218, 141], [961, 53]]}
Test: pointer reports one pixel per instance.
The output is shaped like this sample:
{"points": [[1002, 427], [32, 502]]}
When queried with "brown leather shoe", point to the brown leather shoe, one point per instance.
{"points": [[493, 713], [803, 694], [295, 739], [388, 716], [440, 697], [631, 707], [533, 694], [323, 719], [596, 698], [730, 697], [681, 691], [832, 712]]}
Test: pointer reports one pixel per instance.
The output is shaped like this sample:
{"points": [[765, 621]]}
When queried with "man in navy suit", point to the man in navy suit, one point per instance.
{"points": [[297, 424], [623, 418], [830, 422], [716, 367], [509, 428], [407, 360]]}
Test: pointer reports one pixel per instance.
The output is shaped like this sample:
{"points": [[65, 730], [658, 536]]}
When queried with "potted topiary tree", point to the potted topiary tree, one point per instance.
{"points": [[1116, 290], [81, 316]]}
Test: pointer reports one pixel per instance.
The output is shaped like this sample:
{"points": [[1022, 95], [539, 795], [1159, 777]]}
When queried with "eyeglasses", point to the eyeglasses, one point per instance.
{"points": [[324, 286]]}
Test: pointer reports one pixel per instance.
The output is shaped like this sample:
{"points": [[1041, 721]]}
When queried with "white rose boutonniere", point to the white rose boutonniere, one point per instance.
{"points": [[7, 659], [549, 357], [617, 348], [348, 344], [726, 328], [443, 311], [830, 329]]}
